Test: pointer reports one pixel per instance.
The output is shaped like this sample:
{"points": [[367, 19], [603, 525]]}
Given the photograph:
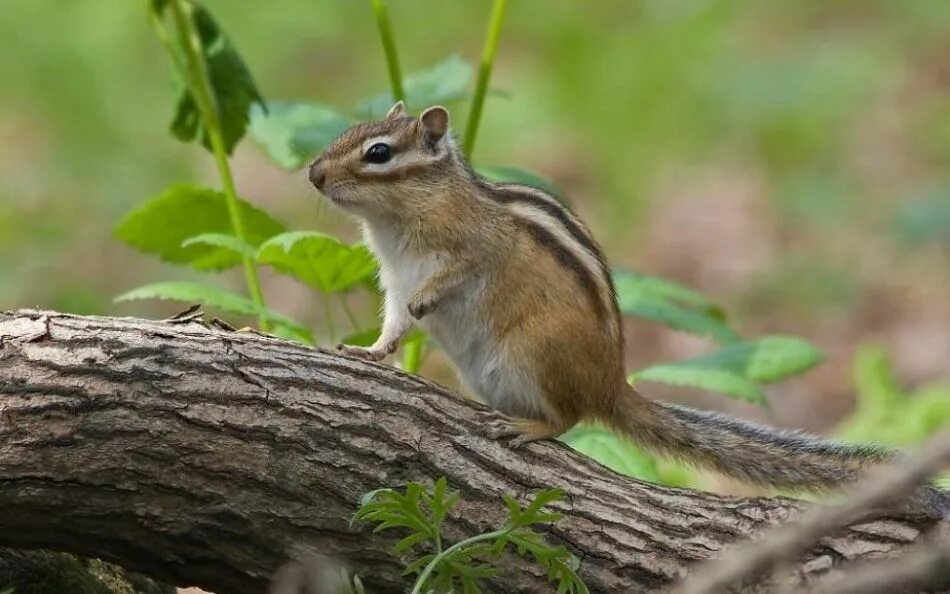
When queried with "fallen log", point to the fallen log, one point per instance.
{"points": [[207, 457]]}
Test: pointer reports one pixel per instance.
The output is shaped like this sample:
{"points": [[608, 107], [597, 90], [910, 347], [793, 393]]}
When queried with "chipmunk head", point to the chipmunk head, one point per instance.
{"points": [[375, 167]]}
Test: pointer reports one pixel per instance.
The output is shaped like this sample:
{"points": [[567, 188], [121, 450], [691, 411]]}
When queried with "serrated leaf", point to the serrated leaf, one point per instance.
{"points": [[523, 177], [667, 289], [161, 224], [293, 133], [418, 565], [714, 380], [442, 501], [409, 542], [413, 496], [542, 498], [737, 369], [438, 489], [469, 586], [370, 497], [764, 360], [232, 86], [668, 303], [499, 544], [677, 318], [444, 82], [210, 296], [473, 571], [769, 359], [321, 261], [222, 240], [451, 501], [514, 510]]}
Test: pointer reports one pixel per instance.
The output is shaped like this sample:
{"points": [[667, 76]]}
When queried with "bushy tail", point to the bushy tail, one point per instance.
{"points": [[743, 450], [762, 455]]}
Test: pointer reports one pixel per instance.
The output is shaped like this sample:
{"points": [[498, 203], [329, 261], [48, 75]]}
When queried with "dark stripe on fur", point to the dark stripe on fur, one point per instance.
{"points": [[514, 193], [508, 193], [567, 259]]}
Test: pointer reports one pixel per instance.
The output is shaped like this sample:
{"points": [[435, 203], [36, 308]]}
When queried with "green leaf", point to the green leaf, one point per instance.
{"points": [[294, 333], [764, 360], [409, 542], [545, 497], [612, 451], [520, 176], [560, 564], [442, 501], [447, 81], [370, 497], [292, 133], [390, 509], [714, 380], [673, 305], [772, 358], [222, 240], [191, 292], [738, 368], [666, 289], [319, 260], [362, 338], [181, 212], [418, 565], [231, 83], [887, 413]]}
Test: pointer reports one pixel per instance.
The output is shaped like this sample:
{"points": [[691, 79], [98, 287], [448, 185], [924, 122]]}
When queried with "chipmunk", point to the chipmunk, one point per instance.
{"points": [[517, 292]]}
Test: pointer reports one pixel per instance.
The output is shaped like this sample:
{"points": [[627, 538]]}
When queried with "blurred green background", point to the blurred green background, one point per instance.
{"points": [[789, 159]]}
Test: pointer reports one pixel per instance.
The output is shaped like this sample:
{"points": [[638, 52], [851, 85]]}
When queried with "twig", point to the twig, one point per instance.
{"points": [[191, 314], [926, 567], [884, 484], [222, 325]]}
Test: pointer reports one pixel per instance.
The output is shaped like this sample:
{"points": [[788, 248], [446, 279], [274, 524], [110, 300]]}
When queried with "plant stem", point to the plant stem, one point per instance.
{"points": [[200, 86], [412, 356], [328, 314], [389, 48], [158, 25], [424, 576], [484, 74], [354, 323]]}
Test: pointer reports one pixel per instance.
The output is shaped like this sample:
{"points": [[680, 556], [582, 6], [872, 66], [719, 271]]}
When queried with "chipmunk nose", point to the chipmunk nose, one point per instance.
{"points": [[318, 176]]}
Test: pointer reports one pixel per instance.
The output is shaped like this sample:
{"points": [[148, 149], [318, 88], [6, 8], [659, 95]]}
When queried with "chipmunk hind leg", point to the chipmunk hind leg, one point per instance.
{"points": [[521, 430]]}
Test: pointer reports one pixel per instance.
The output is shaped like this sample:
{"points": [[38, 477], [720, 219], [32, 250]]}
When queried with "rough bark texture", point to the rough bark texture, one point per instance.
{"points": [[206, 457]]}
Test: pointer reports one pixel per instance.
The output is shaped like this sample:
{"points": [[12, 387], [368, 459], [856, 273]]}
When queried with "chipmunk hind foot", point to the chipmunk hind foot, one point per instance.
{"points": [[519, 431]]}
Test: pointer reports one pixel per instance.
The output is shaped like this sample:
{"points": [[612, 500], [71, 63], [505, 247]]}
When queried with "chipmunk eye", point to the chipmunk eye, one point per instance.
{"points": [[379, 153]]}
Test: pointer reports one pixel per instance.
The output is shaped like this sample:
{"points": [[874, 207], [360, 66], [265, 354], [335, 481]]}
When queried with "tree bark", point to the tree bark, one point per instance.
{"points": [[206, 457]]}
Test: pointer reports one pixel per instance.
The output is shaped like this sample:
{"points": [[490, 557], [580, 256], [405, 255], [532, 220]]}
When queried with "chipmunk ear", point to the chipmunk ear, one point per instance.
{"points": [[435, 122], [397, 111]]}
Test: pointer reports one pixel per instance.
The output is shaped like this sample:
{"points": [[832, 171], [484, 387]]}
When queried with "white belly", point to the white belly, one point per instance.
{"points": [[460, 329]]}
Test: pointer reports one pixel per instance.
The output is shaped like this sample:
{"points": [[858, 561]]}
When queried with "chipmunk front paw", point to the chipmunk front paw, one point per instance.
{"points": [[421, 306], [367, 353]]}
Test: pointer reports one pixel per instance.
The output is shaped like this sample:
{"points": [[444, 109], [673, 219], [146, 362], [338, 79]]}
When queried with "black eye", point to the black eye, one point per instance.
{"points": [[379, 153]]}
